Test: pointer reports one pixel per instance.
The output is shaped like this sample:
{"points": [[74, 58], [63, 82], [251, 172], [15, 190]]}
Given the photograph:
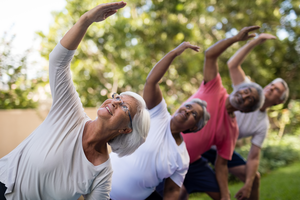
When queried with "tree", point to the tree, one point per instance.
{"points": [[117, 54], [17, 91]]}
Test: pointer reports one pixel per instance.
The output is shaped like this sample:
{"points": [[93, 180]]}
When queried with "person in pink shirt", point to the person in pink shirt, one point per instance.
{"points": [[221, 130]]}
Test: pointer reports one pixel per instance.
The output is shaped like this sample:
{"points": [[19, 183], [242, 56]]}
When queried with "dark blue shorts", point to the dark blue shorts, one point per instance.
{"points": [[236, 159], [201, 178], [2, 191]]}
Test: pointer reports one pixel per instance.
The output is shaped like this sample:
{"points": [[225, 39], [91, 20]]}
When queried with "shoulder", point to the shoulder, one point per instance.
{"points": [[211, 86]]}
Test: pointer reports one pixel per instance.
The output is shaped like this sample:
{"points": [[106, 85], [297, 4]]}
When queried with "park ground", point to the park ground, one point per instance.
{"points": [[280, 184]]}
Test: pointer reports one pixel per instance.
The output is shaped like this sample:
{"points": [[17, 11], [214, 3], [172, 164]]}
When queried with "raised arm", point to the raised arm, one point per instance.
{"points": [[212, 53], [74, 36], [152, 93], [234, 64]]}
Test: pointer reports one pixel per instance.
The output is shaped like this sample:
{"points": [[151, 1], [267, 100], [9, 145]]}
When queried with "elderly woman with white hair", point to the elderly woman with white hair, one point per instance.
{"points": [[163, 157], [67, 155]]}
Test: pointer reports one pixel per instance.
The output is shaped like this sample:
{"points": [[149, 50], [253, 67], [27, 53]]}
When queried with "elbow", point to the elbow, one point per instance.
{"points": [[208, 53], [148, 81], [229, 64]]}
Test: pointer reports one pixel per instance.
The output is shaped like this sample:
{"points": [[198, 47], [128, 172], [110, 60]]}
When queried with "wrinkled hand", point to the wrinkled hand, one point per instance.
{"points": [[185, 45], [243, 193], [103, 11], [244, 33], [264, 36]]}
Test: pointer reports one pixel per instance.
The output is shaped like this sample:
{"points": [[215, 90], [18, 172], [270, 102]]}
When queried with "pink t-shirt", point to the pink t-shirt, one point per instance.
{"points": [[221, 130]]}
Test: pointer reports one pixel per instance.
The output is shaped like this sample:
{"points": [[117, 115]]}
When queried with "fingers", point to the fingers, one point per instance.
{"points": [[238, 195], [252, 28], [195, 48], [115, 5], [267, 36], [109, 13], [251, 35], [109, 7]]}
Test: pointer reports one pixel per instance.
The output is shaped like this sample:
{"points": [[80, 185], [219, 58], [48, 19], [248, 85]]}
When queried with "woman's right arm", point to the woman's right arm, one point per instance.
{"points": [[60, 79], [74, 36], [152, 93], [237, 74]]}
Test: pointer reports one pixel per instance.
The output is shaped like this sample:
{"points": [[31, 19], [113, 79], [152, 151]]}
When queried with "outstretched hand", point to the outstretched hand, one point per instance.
{"points": [[265, 36], [185, 45], [103, 11], [244, 33]]}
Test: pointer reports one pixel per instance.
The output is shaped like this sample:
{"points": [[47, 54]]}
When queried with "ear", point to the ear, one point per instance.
{"points": [[125, 130]]}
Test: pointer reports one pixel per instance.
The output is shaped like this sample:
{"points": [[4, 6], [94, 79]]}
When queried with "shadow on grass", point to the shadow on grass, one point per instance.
{"points": [[281, 184]]}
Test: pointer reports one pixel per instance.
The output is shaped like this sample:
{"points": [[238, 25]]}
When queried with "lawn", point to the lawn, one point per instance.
{"points": [[281, 184]]}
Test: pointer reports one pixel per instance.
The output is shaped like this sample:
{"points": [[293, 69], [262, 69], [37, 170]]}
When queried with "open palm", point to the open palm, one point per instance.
{"points": [[244, 33], [103, 11]]}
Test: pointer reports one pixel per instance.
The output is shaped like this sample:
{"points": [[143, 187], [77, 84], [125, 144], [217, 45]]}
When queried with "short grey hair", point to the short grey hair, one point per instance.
{"points": [[261, 96], [126, 144], [285, 94], [206, 116]]}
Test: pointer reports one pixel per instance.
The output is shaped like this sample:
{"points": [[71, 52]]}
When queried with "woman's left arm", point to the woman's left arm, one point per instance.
{"points": [[152, 93], [171, 190], [74, 36]]}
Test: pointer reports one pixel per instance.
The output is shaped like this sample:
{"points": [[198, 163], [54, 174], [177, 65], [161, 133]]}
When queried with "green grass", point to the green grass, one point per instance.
{"points": [[281, 184]]}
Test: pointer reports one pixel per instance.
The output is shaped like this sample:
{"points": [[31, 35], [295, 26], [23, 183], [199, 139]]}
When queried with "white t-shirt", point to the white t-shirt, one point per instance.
{"points": [[50, 163], [136, 176], [253, 124]]}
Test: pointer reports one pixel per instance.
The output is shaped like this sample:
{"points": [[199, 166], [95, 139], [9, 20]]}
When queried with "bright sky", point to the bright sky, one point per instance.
{"points": [[23, 18]]}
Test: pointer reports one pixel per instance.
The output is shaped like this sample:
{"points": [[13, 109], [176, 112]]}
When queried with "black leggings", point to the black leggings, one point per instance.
{"points": [[154, 196], [2, 191]]}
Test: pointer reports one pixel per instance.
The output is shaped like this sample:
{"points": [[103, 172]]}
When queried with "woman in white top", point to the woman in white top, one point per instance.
{"points": [[163, 156], [67, 155]]}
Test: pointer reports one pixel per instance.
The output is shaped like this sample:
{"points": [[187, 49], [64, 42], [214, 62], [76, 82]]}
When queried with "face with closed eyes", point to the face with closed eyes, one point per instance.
{"points": [[244, 98], [187, 117], [273, 92], [118, 112]]}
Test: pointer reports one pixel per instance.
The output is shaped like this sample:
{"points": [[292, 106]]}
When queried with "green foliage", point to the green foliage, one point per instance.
{"points": [[117, 54], [276, 152], [16, 90], [281, 184], [293, 127]]}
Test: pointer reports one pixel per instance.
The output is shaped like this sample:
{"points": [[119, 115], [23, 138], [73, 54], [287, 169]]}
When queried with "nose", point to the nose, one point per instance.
{"points": [[245, 96], [116, 102], [188, 111]]}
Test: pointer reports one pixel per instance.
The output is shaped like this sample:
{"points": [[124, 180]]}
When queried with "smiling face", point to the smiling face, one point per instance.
{"points": [[273, 92], [187, 117], [114, 113], [244, 98]]}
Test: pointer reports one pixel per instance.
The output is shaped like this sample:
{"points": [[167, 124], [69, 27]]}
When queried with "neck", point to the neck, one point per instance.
{"points": [[95, 136], [229, 108], [176, 132], [266, 105]]}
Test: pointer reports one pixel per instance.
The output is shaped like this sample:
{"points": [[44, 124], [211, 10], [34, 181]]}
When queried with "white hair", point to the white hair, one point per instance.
{"points": [[257, 105], [126, 144], [285, 94], [206, 116]]}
